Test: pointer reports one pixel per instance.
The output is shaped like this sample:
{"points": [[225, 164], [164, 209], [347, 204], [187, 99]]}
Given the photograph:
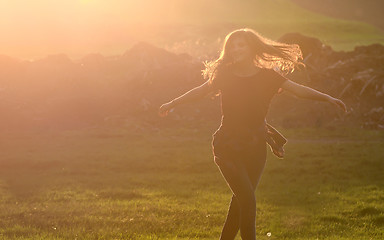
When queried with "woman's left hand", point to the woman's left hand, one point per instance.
{"points": [[337, 102], [165, 109]]}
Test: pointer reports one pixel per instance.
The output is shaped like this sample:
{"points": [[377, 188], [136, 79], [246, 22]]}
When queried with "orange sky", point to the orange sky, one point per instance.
{"points": [[39, 27], [33, 29]]}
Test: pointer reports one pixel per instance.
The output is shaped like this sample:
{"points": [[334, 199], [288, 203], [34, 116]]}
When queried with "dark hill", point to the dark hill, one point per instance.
{"points": [[127, 90]]}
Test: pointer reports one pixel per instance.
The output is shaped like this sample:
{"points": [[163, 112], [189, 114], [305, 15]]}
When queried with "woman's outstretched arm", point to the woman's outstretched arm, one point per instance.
{"points": [[191, 95], [310, 93]]}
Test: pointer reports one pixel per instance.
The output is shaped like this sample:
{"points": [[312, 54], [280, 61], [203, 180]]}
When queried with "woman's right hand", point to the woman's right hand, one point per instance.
{"points": [[165, 108], [191, 95]]}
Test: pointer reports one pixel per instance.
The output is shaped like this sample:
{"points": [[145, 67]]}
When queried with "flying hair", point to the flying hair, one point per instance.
{"points": [[281, 57]]}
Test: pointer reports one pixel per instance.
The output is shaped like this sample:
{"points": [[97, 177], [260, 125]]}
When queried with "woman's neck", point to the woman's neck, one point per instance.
{"points": [[244, 69]]}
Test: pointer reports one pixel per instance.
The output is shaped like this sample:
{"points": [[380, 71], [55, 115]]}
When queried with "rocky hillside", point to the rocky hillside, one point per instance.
{"points": [[126, 90]]}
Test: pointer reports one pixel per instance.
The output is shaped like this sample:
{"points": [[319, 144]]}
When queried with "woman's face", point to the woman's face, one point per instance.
{"points": [[239, 50]]}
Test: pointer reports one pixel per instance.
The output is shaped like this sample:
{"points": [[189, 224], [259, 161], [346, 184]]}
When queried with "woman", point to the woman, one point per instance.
{"points": [[246, 75]]}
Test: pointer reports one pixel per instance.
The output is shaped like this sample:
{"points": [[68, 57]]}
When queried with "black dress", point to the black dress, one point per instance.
{"points": [[244, 103]]}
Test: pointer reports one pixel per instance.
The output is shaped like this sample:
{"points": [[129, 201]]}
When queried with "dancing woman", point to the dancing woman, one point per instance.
{"points": [[248, 73]]}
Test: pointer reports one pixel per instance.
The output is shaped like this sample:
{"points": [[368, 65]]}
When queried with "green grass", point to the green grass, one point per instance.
{"points": [[284, 16], [199, 33], [163, 184]]}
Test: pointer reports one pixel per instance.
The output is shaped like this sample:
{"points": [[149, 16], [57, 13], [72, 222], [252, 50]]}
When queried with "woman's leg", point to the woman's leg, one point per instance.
{"points": [[241, 215], [254, 167], [231, 225]]}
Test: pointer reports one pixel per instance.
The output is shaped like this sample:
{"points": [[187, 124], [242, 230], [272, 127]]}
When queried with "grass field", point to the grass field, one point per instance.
{"points": [[202, 33], [281, 16], [163, 184]]}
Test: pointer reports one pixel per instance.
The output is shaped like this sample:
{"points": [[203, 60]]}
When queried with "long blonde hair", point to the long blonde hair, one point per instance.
{"points": [[267, 54]]}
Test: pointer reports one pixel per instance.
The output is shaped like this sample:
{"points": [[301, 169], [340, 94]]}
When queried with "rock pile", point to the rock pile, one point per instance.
{"points": [[56, 91], [357, 76]]}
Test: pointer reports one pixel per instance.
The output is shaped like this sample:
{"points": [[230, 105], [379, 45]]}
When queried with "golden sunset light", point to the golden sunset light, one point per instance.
{"points": [[191, 119], [33, 29]]}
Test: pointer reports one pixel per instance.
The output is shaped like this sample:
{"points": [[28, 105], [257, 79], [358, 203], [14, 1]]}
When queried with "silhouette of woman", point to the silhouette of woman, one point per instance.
{"points": [[248, 73]]}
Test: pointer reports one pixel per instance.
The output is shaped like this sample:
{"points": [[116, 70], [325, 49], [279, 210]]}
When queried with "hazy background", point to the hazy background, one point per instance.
{"points": [[34, 29], [79, 63]]}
